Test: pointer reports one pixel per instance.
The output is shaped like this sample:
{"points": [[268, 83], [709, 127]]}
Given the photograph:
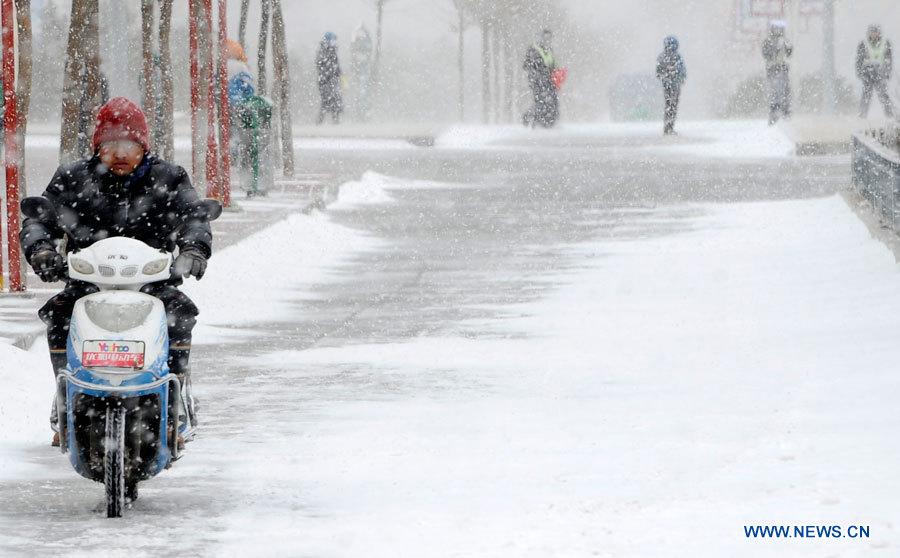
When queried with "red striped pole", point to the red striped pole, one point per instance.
{"points": [[10, 124], [225, 112], [212, 163]]}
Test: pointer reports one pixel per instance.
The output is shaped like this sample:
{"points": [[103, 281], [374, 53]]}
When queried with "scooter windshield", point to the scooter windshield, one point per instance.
{"points": [[118, 316]]}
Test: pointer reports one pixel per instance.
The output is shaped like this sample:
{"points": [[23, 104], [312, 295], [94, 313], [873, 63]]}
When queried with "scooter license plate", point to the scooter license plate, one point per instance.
{"points": [[113, 354]]}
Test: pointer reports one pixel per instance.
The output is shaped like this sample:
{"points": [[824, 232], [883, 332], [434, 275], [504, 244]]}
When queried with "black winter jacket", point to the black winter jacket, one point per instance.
{"points": [[537, 71], [329, 69], [670, 69], [155, 204]]}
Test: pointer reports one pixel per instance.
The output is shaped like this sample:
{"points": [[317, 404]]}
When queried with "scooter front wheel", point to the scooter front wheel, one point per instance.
{"points": [[114, 460]]}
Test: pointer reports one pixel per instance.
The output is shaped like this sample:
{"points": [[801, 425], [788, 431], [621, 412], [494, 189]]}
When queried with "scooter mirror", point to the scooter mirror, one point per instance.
{"points": [[212, 209], [39, 207]]}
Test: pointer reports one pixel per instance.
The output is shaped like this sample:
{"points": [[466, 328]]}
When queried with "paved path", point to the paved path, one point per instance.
{"points": [[362, 448]]}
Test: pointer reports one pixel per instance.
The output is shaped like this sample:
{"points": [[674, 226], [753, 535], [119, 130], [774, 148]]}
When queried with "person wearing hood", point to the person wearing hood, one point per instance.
{"points": [[241, 85], [670, 70], [776, 51], [874, 65], [539, 66], [120, 190], [361, 66], [329, 73]]}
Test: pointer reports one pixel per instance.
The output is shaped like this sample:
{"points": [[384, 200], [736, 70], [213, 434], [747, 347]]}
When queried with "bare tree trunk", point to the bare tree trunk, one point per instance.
{"points": [[283, 88], [242, 26], [496, 50], [23, 81], [263, 45], [508, 74], [167, 148], [205, 75], [379, 32], [274, 127], [72, 82], [92, 62], [485, 72], [148, 81], [91, 46], [462, 62]]}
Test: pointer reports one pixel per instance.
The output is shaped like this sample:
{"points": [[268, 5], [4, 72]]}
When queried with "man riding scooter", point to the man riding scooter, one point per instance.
{"points": [[122, 190]]}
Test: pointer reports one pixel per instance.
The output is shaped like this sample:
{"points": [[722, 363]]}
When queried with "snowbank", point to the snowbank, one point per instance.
{"points": [[479, 137], [374, 189], [368, 190], [704, 138], [740, 373], [27, 381], [351, 143], [251, 282], [742, 139]]}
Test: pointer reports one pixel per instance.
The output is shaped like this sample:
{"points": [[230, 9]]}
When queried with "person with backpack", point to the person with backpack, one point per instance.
{"points": [[539, 66]]}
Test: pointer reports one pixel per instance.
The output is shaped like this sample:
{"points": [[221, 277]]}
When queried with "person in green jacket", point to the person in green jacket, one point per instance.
{"points": [[874, 64]]}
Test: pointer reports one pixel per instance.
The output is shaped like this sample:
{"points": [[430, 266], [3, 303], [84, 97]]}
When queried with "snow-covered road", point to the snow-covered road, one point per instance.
{"points": [[517, 367]]}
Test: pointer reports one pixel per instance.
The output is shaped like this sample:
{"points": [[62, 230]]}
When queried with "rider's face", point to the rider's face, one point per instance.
{"points": [[121, 156], [874, 36]]}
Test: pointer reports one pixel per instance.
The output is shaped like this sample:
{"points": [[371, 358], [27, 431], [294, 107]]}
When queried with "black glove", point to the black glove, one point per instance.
{"points": [[48, 264], [189, 262]]}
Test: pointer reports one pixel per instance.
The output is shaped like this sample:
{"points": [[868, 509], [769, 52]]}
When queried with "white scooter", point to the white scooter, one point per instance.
{"points": [[120, 410]]}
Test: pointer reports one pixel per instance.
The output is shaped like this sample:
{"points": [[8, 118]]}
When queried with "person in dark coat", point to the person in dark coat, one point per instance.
{"points": [[776, 50], [329, 72], [121, 190], [539, 66], [874, 65], [361, 66], [670, 70]]}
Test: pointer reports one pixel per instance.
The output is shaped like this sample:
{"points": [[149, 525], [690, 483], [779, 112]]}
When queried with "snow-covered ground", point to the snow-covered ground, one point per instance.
{"points": [[667, 391], [741, 139], [27, 382], [297, 250], [672, 391]]}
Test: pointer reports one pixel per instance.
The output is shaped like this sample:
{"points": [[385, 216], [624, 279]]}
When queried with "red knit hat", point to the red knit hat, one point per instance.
{"points": [[121, 119]]}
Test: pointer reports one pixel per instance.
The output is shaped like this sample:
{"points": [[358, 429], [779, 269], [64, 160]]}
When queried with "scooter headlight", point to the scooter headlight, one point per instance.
{"points": [[156, 266], [81, 266], [117, 316]]}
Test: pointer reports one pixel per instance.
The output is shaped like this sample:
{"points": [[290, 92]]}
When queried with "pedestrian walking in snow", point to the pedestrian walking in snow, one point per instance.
{"points": [[120, 190], [776, 51], [874, 65], [241, 85], [241, 88], [329, 73], [539, 66], [670, 70], [361, 66]]}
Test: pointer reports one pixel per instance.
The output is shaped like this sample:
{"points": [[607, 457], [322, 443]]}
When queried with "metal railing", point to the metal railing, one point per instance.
{"points": [[876, 173]]}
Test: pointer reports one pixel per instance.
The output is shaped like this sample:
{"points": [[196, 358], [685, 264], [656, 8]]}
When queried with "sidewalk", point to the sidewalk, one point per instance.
{"points": [[20, 325], [821, 135]]}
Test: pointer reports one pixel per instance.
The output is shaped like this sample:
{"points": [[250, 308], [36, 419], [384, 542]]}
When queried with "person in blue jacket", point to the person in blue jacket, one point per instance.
{"points": [[671, 71]]}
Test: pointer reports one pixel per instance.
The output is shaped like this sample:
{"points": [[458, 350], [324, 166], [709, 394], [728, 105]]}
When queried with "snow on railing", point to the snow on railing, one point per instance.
{"points": [[876, 173], [888, 136]]}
